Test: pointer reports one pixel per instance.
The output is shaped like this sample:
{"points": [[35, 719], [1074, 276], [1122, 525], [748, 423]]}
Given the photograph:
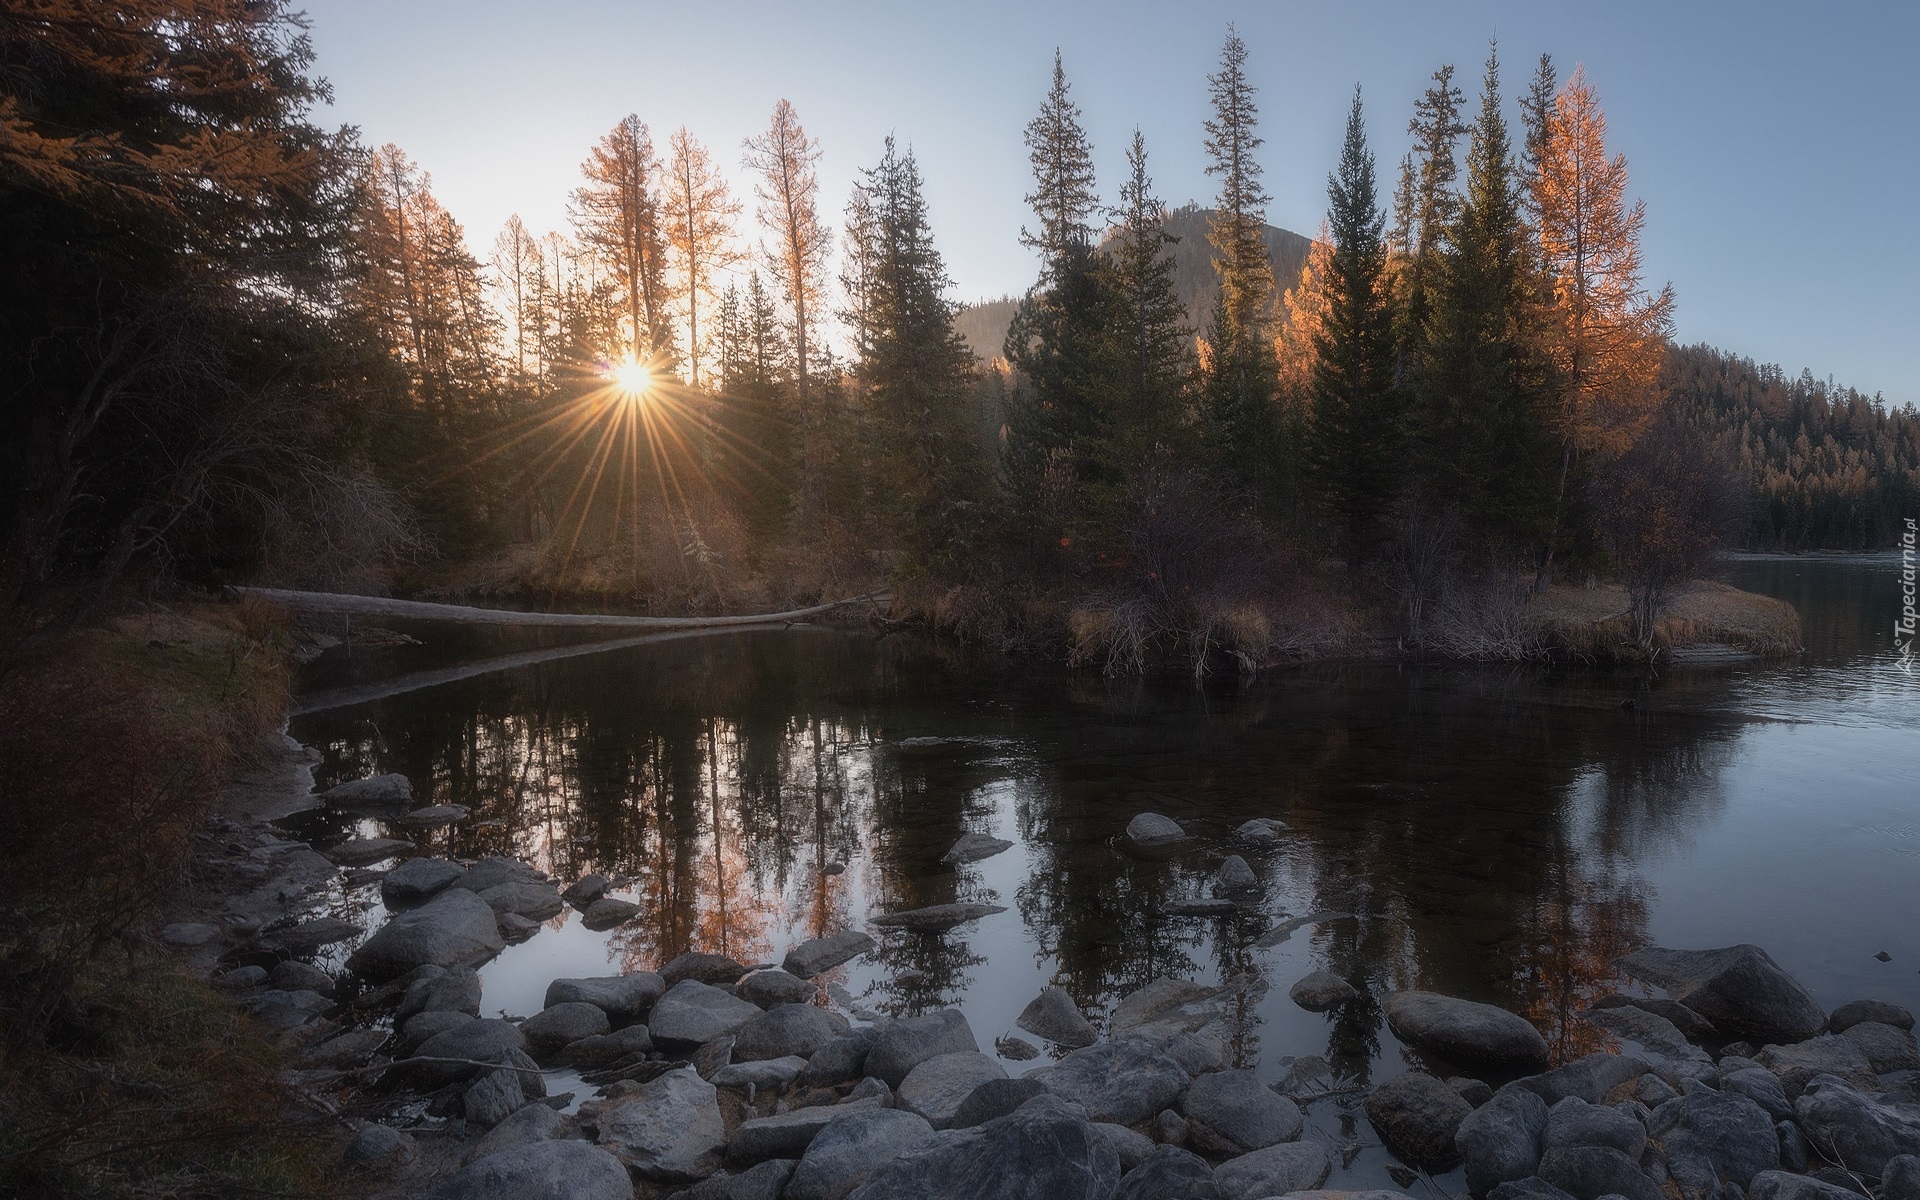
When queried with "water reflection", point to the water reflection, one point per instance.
{"points": [[1492, 833]]}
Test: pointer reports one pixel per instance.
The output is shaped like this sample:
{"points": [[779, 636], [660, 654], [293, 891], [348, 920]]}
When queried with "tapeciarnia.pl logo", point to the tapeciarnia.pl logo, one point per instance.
{"points": [[1903, 628]]}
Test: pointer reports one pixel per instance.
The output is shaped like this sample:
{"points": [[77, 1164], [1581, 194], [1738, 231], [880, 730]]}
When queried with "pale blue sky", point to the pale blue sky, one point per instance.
{"points": [[1774, 144]]}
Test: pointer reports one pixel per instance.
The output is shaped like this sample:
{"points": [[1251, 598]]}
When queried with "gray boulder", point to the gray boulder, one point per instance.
{"points": [[1711, 1136], [936, 918], [761, 1073], [1574, 1122], [1900, 1178], [1129, 1145], [554, 1027], [529, 1124], [434, 816], [842, 1059], [493, 871], [1666, 1050], [1760, 1086], [492, 1097], [791, 1029], [454, 929], [542, 1170], [1230, 1112], [1234, 878], [1044, 1151], [1150, 829], [1848, 1127], [850, 1147], [1590, 1172], [534, 901], [582, 892], [692, 1012], [762, 1181], [286, 1010], [623, 998], [668, 1131], [771, 989], [1125, 1082], [902, 1045], [1169, 1173], [787, 1134], [381, 1145], [1590, 1078], [1464, 1031], [717, 969], [972, 847], [451, 1055], [1321, 990], [294, 976], [1417, 1117], [1887, 1047], [995, 1098], [1691, 1024], [1053, 1015], [417, 1029], [1534, 1188], [604, 1050], [364, 852], [1274, 1171], [936, 1088], [1848, 1015], [820, 955], [1779, 1185], [609, 912], [1739, 988], [1261, 831], [1502, 1140], [1796, 1065], [379, 792]]}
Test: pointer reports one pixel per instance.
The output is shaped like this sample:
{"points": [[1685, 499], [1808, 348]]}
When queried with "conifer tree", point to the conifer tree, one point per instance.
{"points": [[1481, 377], [1240, 371], [700, 225], [785, 158], [517, 279], [1063, 198], [1154, 351], [617, 217], [1356, 429], [1427, 204]]}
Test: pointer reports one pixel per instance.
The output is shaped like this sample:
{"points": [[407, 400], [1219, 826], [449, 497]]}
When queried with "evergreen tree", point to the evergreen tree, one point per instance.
{"points": [[1482, 377], [1241, 375], [1356, 424], [618, 218], [1426, 206], [756, 436], [1063, 197], [914, 377], [1153, 355]]}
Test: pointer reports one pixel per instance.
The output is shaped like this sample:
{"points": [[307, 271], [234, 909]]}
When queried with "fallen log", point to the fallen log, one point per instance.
{"points": [[419, 610]]}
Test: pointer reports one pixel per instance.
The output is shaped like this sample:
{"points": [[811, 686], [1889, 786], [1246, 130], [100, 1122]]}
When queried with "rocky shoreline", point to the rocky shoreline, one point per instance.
{"points": [[719, 1080]]}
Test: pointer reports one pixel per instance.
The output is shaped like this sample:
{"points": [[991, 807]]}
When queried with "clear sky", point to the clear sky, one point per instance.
{"points": [[1775, 144]]}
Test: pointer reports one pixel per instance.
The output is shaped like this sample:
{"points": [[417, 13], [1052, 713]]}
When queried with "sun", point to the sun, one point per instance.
{"points": [[632, 379]]}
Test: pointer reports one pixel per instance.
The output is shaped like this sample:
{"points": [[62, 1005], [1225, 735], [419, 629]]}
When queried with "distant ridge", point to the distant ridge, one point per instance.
{"points": [[984, 324]]}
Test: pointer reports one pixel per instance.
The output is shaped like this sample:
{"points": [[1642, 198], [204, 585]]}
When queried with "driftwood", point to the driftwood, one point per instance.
{"points": [[416, 610]]}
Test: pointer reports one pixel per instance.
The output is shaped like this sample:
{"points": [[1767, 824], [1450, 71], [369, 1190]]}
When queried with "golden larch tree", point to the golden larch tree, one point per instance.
{"points": [[617, 217], [700, 215], [1305, 307]]}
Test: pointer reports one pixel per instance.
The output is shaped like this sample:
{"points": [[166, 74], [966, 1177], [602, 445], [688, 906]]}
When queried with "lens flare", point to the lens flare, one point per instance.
{"points": [[633, 379]]}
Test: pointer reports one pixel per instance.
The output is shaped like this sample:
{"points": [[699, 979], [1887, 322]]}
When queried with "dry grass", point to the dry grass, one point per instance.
{"points": [[1593, 623]]}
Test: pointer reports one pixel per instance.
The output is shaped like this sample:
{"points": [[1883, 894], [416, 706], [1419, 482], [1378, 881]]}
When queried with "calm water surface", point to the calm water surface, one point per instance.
{"points": [[1497, 833]]}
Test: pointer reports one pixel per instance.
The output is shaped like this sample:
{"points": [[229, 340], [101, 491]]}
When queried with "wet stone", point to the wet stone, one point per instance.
{"points": [[820, 955]]}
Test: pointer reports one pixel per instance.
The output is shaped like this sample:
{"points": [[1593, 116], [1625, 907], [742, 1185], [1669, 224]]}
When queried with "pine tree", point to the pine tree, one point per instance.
{"points": [[1063, 197], [756, 438], [1482, 378], [1241, 377], [700, 219], [913, 376], [617, 217], [785, 158], [1426, 206], [1356, 425], [1154, 354]]}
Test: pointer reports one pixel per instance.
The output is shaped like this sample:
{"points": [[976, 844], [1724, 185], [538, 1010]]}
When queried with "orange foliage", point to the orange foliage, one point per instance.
{"points": [[1306, 305], [1612, 335]]}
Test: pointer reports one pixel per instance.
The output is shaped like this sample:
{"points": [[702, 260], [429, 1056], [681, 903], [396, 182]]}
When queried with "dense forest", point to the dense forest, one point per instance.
{"points": [[237, 346]]}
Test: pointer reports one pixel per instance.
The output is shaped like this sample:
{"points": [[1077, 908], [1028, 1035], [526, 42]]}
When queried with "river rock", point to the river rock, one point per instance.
{"points": [[418, 880], [902, 1045], [1234, 878], [850, 1147], [1129, 1146], [494, 870], [434, 816], [1763, 1088], [1796, 1065], [1533, 1188], [1667, 1050], [936, 1088], [1417, 1117], [380, 1145], [1900, 1178], [1739, 988], [771, 989], [492, 1097], [842, 1059], [451, 1055], [543, 1170], [1044, 1151], [417, 1029], [1150, 829], [1502, 1140], [1574, 1122], [607, 1049], [1261, 831], [308, 936], [528, 1125], [189, 934], [762, 1181], [1016, 1049], [669, 1130], [439, 989], [787, 1134], [241, 978], [623, 998], [791, 1029], [363, 852], [1230, 1112], [1854, 1129], [534, 901], [454, 929], [1711, 1136], [1779, 1185], [972, 847], [1169, 1173], [608, 912], [380, 791], [1590, 1172], [582, 892], [294, 975], [1691, 1024], [1053, 1015], [286, 1010], [1274, 1171], [554, 1027], [936, 918], [1125, 1082], [716, 969], [1464, 1031], [1321, 990], [692, 1012], [1474, 1091], [1848, 1015], [820, 955], [994, 1098], [1887, 1047], [761, 1073]]}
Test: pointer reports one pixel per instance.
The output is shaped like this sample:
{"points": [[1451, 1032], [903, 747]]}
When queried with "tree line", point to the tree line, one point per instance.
{"points": [[239, 345]]}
